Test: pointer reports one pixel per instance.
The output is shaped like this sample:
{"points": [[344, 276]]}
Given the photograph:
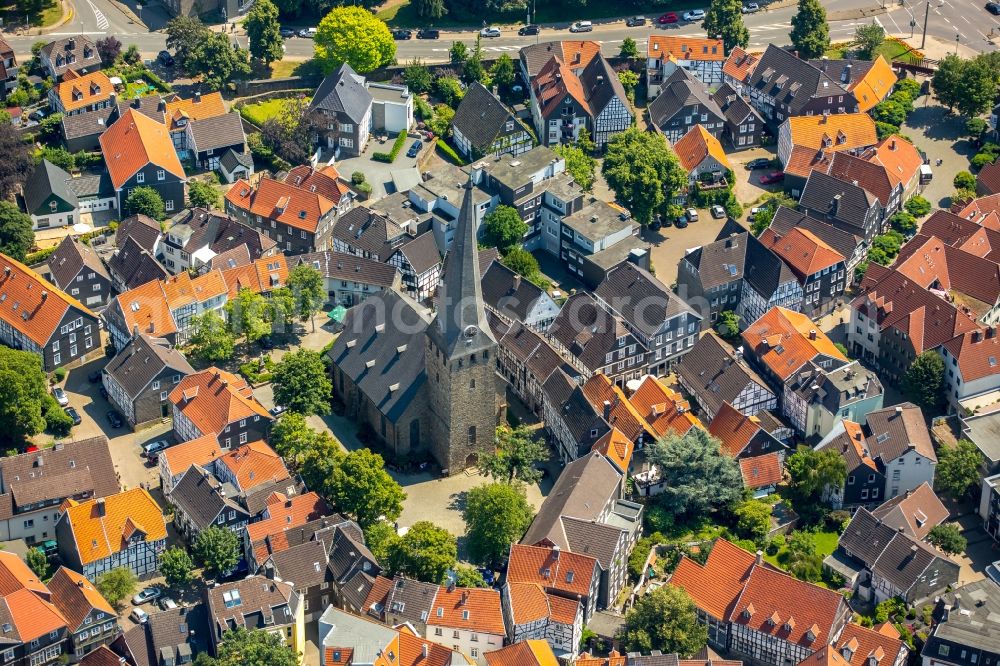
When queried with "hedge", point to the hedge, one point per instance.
{"points": [[391, 156], [450, 152], [39, 256]]}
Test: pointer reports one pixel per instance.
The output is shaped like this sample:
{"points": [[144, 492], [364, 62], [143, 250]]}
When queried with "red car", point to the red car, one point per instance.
{"points": [[669, 17], [773, 177]]}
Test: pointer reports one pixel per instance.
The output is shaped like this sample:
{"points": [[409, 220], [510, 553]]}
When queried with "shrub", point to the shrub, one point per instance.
{"points": [[357, 177], [391, 156], [909, 86], [964, 181], [60, 374], [38, 257], [422, 109], [917, 206], [449, 152], [57, 421], [981, 159]]}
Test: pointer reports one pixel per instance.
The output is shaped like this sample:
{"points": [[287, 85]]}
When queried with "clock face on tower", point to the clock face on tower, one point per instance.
{"points": [[470, 332]]}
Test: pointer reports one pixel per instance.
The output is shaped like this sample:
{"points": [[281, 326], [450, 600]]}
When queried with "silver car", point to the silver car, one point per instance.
{"points": [[60, 396]]}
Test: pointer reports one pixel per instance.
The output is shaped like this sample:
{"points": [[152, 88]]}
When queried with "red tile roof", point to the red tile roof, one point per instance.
{"points": [[624, 415], [863, 643], [15, 575], [472, 609], [613, 659], [617, 448], [740, 64], [285, 513], [254, 464], [899, 157], [686, 48], [552, 569], [762, 471], [665, 410], [75, 597], [32, 305], [733, 428], [696, 145], [785, 341], [213, 398], [532, 652], [135, 140], [280, 201], [146, 307], [978, 353], [802, 250], [529, 602], [716, 585], [839, 131], [988, 179], [200, 451], [80, 90], [32, 616], [102, 527], [553, 83]]}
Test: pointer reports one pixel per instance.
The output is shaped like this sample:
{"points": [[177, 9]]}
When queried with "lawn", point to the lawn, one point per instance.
{"points": [[12, 15], [285, 68], [826, 543], [261, 112]]}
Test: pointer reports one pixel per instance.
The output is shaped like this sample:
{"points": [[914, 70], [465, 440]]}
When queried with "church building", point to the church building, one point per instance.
{"points": [[425, 383]]}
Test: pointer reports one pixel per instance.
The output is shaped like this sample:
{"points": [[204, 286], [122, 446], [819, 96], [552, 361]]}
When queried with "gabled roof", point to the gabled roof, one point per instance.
{"points": [[916, 512], [837, 199], [740, 64], [30, 304], [142, 229], [804, 253], [869, 174], [621, 412], [715, 586], [134, 141], [75, 597], [285, 513], [714, 373], [324, 181], [897, 430], [988, 178], [900, 158], [213, 398], [45, 181], [253, 464], [734, 429], [665, 410], [977, 353], [200, 451], [640, 299], [481, 117], [858, 645], [199, 106], [102, 527], [508, 293], [835, 132], [694, 147], [576, 53], [78, 91], [217, 132], [532, 652], [601, 85], [793, 82], [471, 609], [343, 91], [785, 340], [762, 471], [617, 448], [280, 201], [681, 90], [562, 571], [529, 602], [29, 616], [590, 332], [70, 258], [870, 81], [699, 49], [145, 308], [843, 242], [554, 82], [141, 361], [262, 603]]}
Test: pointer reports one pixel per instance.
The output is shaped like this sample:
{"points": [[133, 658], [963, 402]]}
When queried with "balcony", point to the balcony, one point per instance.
{"points": [[708, 182]]}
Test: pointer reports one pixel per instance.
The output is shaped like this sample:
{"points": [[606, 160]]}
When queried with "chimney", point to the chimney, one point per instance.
{"points": [[795, 53], [892, 144], [423, 650], [607, 410], [835, 204], [760, 558], [197, 97], [465, 597], [45, 295], [71, 44], [812, 334], [517, 282], [114, 100], [101, 510], [161, 106], [991, 332]]}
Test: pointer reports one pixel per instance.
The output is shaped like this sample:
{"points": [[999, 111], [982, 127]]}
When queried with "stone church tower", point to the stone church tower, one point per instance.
{"points": [[460, 356]]}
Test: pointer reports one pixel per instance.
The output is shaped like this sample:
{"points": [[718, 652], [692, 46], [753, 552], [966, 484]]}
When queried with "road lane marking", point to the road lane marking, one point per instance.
{"points": [[102, 20]]}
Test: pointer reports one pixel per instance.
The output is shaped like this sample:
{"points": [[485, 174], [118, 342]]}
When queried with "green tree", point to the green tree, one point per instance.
{"points": [[185, 34], [466, 576], [665, 620], [17, 163], [417, 77], [957, 470], [903, 222], [811, 471], [890, 113], [976, 127], [217, 549], [643, 172], [291, 435], [284, 309], [430, 9], [218, 62], [361, 488], [802, 560], [579, 164], [629, 49], [924, 381], [109, 49], [964, 181], [514, 455], [38, 562], [203, 194], [240, 647], [458, 53], [117, 585], [353, 35], [144, 200], [810, 31], [23, 389], [247, 315], [426, 552], [309, 288], [629, 81], [503, 73], [318, 462], [521, 262], [753, 519], [868, 38], [917, 206], [211, 339], [57, 421], [379, 537], [177, 567], [16, 234], [947, 80], [449, 90], [729, 324], [977, 89], [503, 228], [301, 383], [724, 20], [762, 219], [699, 476], [472, 69], [496, 515], [948, 538], [264, 32]]}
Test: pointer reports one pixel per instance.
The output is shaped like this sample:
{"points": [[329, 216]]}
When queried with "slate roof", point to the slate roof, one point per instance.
{"points": [[335, 265], [481, 116], [369, 231], [343, 91], [680, 90], [834, 388], [580, 417], [232, 159], [397, 374], [916, 511], [201, 496], [640, 299], [843, 242], [734, 106], [820, 192], [144, 230], [87, 123], [70, 258], [421, 253], [47, 180], [793, 82], [764, 270], [721, 261], [217, 132], [200, 227], [135, 265], [506, 292], [305, 564], [264, 604], [141, 360], [77, 46], [91, 185], [176, 632], [897, 429], [711, 368], [973, 624], [601, 85], [589, 331]]}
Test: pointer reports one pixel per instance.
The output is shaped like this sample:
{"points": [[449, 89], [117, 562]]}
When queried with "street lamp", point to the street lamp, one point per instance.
{"points": [[958, 39]]}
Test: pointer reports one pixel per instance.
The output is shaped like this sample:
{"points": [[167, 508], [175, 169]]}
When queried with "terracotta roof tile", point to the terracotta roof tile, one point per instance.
{"points": [[134, 141], [553, 83], [75, 597], [761, 471], [286, 513], [869, 174], [213, 398], [740, 64], [552, 569], [875, 85], [325, 182], [532, 652], [77, 91], [825, 656], [254, 464], [784, 341], [686, 48], [146, 307], [614, 658], [207, 105], [474, 609], [15, 575], [803, 159], [97, 537], [802, 250], [899, 157], [867, 643], [200, 451], [733, 428], [32, 616], [31, 304], [378, 593], [696, 145], [624, 416], [102, 656], [717, 585], [988, 178], [663, 409], [617, 448], [280, 201], [978, 355], [839, 131]]}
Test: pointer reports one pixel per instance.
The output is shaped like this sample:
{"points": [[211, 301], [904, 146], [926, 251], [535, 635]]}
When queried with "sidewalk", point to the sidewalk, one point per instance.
{"points": [[936, 48]]}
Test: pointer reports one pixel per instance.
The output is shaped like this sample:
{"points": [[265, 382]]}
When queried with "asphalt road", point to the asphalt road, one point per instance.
{"points": [[948, 18]]}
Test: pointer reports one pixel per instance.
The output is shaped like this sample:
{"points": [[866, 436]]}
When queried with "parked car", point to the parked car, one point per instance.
{"points": [[287, 32], [694, 15], [718, 212], [635, 21], [758, 163], [750, 8], [529, 30], [166, 603], [94, 377], [655, 223], [307, 32], [414, 149], [993, 8], [114, 420], [104, 392], [691, 214], [152, 448], [402, 33], [37, 114], [491, 31], [669, 17], [139, 616], [73, 414], [146, 595], [428, 33], [681, 222], [772, 177], [753, 213], [277, 410], [165, 58], [582, 26], [60, 396]]}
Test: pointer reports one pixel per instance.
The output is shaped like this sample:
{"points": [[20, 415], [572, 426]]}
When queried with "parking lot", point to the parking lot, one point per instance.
{"points": [[379, 174]]}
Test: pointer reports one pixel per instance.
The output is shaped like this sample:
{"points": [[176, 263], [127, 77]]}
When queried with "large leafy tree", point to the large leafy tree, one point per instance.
{"points": [[957, 470], [117, 585], [247, 315], [496, 515], [812, 471], [16, 234], [203, 194], [211, 339], [291, 435], [302, 384], [217, 61], [426, 552], [308, 288], [145, 200], [643, 172], [264, 32], [185, 34], [503, 73], [240, 647], [868, 38], [22, 395], [753, 519], [217, 549], [579, 164], [514, 456], [810, 32], [724, 20], [360, 487], [356, 36], [924, 381], [947, 80], [978, 88], [176, 566], [503, 228], [378, 537], [699, 477], [948, 538], [666, 620]]}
